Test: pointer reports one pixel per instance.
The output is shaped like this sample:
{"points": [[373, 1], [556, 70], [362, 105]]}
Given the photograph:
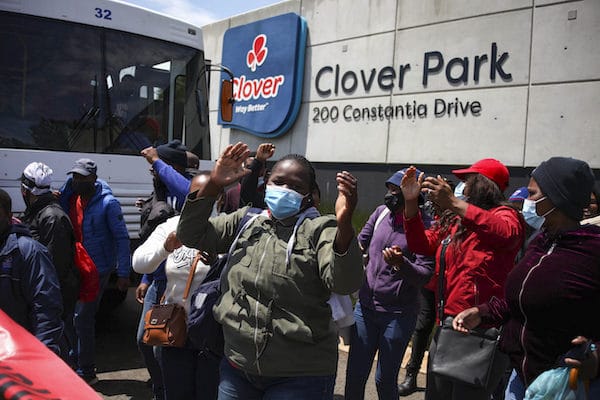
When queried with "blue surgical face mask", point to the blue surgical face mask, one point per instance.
{"points": [[530, 213], [458, 191], [282, 202]]}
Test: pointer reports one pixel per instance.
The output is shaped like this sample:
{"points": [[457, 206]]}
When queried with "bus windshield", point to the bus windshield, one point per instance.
{"points": [[87, 89]]}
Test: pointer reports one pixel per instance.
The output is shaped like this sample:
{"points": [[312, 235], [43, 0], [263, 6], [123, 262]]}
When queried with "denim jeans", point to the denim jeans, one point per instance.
{"points": [[388, 333], [515, 390], [189, 374], [237, 385], [151, 354], [85, 327]]}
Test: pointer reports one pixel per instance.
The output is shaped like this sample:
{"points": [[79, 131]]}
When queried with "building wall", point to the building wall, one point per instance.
{"points": [[536, 94]]}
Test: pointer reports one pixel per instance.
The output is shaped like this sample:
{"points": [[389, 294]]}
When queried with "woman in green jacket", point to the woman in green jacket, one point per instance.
{"points": [[280, 338]]}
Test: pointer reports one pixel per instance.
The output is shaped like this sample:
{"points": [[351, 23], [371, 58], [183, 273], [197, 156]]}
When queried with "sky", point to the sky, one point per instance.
{"points": [[202, 12]]}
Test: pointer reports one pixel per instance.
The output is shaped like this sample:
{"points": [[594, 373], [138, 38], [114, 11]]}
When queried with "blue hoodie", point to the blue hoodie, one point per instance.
{"points": [[105, 235]]}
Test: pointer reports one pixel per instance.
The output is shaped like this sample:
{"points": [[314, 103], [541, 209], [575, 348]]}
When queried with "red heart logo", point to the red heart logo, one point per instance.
{"points": [[260, 56], [259, 43], [251, 61]]}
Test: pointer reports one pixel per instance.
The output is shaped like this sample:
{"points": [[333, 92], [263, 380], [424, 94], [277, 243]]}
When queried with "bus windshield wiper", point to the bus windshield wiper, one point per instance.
{"points": [[90, 114]]}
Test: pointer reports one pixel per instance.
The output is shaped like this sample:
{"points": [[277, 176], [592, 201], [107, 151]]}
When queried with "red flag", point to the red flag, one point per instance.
{"points": [[29, 371]]}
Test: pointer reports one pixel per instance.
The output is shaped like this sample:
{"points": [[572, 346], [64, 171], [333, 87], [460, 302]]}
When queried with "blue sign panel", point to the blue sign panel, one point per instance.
{"points": [[267, 60]]}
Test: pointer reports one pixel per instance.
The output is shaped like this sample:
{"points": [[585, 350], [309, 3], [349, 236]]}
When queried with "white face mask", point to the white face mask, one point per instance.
{"points": [[459, 191], [530, 213]]}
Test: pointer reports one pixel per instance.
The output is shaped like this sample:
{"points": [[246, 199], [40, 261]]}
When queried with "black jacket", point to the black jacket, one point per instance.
{"points": [[51, 226]]}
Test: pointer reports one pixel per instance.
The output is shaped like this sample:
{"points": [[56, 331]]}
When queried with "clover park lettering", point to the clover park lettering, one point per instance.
{"points": [[332, 81]]}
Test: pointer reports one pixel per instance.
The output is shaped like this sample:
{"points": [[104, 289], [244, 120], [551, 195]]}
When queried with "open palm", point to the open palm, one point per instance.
{"points": [[410, 185], [228, 168]]}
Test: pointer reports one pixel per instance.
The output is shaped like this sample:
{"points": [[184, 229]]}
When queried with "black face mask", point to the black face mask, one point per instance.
{"points": [[394, 201], [83, 188]]}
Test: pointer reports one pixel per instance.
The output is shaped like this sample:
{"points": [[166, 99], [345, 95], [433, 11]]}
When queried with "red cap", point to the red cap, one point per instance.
{"points": [[488, 167]]}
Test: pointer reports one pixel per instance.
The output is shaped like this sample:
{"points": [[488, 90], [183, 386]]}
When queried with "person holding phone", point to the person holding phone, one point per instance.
{"points": [[485, 233]]}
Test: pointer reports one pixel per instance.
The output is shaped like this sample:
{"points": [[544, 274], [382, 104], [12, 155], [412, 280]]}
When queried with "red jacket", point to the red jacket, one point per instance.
{"points": [[477, 268]]}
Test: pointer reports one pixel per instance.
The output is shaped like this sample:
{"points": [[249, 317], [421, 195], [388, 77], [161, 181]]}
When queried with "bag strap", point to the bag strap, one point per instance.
{"points": [[188, 285], [442, 280], [380, 218], [245, 222]]}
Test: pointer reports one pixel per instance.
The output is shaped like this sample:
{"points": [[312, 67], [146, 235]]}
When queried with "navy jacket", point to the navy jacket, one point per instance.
{"points": [[29, 289], [105, 235]]}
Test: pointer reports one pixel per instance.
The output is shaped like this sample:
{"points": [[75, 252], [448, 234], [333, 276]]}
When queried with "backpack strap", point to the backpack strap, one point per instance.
{"points": [[223, 262]]}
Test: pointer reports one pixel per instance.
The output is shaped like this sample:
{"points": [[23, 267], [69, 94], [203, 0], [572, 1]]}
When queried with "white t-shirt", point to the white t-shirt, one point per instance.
{"points": [[148, 257]]}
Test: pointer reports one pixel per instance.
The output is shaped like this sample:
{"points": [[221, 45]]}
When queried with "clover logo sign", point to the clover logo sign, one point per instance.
{"points": [[257, 55]]}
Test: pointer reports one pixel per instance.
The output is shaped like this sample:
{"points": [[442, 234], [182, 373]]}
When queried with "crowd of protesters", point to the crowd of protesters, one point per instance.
{"points": [[529, 263]]}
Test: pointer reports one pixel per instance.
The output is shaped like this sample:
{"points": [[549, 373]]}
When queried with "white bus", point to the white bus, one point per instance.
{"points": [[99, 79]]}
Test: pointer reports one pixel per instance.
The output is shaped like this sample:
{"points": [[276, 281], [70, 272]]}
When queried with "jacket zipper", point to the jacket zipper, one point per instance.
{"points": [[522, 336], [256, 347]]}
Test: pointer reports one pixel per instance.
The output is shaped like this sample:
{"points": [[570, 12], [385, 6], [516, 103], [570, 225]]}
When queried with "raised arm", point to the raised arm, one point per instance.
{"points": [[344, 208]]}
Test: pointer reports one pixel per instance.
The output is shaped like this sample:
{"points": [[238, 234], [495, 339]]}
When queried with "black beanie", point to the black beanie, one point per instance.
{"points": [[173, 153], [567, 182]]}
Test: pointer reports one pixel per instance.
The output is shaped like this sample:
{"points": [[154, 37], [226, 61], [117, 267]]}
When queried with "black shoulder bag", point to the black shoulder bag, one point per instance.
{"points": [[472, 359]]}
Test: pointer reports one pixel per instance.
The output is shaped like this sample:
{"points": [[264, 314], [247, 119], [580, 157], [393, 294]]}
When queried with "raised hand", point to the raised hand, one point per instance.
{"points": [[228, 168], [265, 151], [347, 198], [345, 204], [150, 154], [411, 184], [439, 191]]}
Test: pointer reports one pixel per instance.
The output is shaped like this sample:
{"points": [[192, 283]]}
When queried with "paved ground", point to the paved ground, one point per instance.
{"points": [[123, 376]]}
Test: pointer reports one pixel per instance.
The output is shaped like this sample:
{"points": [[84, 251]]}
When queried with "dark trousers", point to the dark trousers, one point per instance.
{"points": [[420, 338], [189, 374]]}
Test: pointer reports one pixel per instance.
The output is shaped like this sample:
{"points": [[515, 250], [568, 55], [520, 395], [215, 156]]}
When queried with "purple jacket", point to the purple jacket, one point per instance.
{"points": [[385, 289], [551, 296]]}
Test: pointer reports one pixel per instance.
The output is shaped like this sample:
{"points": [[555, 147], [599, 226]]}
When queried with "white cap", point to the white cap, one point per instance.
{"points": [[37, 178]]}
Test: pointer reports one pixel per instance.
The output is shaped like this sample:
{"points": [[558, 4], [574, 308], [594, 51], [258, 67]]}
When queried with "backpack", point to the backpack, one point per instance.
{"points": [[153, 213], [204, 332]]}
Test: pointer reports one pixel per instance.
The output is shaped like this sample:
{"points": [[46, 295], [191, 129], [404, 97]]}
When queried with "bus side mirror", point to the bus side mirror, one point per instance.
{"points": [[227, 100]]}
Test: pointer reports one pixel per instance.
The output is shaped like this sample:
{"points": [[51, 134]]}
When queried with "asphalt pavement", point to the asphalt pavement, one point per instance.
{"points": [[122, 375]]}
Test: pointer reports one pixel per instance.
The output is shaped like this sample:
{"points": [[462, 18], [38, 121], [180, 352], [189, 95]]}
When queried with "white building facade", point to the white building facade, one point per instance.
{"points": [[438, 84]]}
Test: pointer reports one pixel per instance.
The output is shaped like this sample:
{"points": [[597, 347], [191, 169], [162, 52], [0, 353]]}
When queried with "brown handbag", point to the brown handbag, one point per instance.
{"points": [[166, 324]]}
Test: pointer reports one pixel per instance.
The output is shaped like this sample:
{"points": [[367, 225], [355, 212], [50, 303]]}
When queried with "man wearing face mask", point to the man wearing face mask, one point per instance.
{"points": [[388, 305], [98, 223], [50, 226]]}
